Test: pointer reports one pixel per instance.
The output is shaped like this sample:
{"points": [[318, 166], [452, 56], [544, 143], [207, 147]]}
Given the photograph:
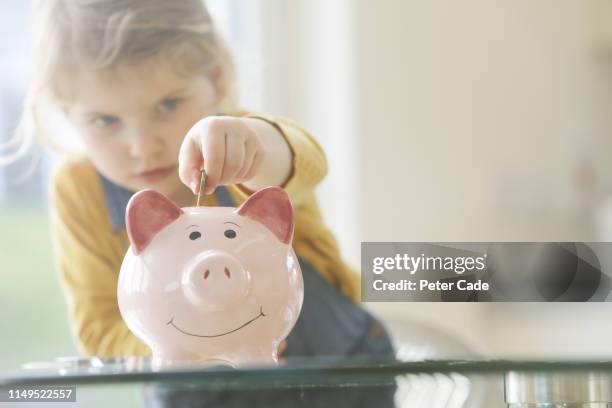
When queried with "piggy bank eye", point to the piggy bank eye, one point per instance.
{"points": [[194, 235], [230, 233]]}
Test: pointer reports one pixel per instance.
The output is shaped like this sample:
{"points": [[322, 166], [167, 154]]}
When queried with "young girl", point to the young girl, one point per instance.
{"points": [[148, 87]]}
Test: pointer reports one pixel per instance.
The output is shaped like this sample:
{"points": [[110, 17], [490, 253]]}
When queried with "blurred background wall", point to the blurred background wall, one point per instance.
{"points": [[492, 120], [466, 121], [442, 121]]}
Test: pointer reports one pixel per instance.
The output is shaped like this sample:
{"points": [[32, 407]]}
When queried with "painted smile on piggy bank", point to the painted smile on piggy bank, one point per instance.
{"points": [[261, 314], [210, 284]]}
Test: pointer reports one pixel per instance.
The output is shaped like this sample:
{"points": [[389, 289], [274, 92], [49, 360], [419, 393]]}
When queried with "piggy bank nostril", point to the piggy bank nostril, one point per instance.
{"points": [[206, 274], [227, 272]]}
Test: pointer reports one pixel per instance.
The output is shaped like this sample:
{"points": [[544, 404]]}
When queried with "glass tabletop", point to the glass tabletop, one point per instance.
{"points": [[330, 381]]}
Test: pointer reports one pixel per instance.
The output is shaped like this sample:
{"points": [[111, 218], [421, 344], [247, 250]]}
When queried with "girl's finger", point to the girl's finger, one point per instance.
{"points": [[190, 162], [250, 148], [257, 160], [213, 145], [234, 157]]}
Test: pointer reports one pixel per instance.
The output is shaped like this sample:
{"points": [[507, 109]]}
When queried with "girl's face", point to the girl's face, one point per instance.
{"points": [[134, 117]]}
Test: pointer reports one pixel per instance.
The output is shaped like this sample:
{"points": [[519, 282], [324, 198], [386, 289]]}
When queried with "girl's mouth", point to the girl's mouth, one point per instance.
{"points": [[155, 174]]}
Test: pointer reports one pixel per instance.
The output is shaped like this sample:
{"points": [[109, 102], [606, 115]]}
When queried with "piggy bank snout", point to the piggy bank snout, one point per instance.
{"points": [[215, 280]]}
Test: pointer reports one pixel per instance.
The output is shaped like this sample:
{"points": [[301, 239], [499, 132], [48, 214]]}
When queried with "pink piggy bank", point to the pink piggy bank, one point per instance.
{"points": [[211, 285]]}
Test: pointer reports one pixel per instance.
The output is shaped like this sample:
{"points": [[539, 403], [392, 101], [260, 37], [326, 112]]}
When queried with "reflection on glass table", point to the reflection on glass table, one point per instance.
{"points": [[338, 382]]}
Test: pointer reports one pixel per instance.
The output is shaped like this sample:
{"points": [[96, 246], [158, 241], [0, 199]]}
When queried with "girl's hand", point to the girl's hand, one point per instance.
{"points": [[227, 148]]}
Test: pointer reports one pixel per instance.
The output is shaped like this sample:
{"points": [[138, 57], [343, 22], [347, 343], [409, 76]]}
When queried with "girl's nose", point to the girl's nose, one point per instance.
{"points": [[144, 142]]}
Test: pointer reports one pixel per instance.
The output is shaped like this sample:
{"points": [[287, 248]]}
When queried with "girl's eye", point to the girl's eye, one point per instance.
{"points": [[104, 121], [194, 235], [230, 233], [168, 105]]}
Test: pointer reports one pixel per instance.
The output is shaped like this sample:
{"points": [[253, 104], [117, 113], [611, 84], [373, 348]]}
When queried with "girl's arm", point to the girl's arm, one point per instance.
{"points": [[88, 258]]}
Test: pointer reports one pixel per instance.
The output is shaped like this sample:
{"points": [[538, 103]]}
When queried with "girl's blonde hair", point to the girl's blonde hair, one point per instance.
{"points": [[99, 34]]}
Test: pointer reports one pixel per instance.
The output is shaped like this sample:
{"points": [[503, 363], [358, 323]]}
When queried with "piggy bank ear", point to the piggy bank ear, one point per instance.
{"points": [[147, 213], [271, 207]]}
